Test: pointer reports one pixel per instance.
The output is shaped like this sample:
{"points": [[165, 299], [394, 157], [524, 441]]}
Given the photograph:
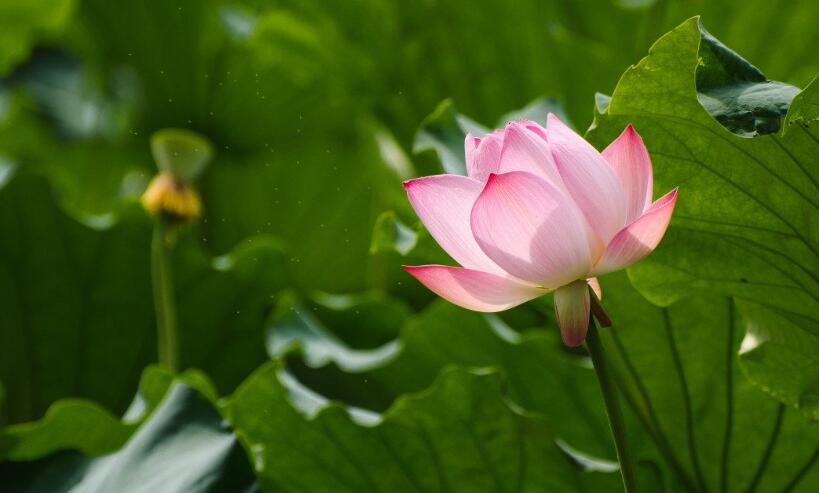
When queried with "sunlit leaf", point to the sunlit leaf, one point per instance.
{"points": [[746, 222], [680, 372]]}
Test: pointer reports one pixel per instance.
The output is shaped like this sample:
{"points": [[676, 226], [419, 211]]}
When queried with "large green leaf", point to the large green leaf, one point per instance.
{"points": [[678, 367], [223, 303], [307, 195], [679, 370], [69, 424], [746, 223], [83, 426], [460, 435], [183, 446], [539, 375], [76, 304]]}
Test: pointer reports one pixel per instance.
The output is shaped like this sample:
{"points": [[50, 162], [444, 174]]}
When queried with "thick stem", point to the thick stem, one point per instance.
{"points": [[616, 422], [164, 305]]}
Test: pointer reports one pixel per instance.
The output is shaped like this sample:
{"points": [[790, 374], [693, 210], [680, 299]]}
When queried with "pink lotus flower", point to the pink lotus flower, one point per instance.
{"points": [[540, 211]]}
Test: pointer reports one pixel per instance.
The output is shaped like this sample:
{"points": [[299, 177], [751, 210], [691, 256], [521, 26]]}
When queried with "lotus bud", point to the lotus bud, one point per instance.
{"points": [[181, 156], [171, 198]]}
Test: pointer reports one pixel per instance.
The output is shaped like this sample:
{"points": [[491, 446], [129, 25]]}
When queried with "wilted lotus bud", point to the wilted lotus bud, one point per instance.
{"points": [[171, 198], [181, 156]]}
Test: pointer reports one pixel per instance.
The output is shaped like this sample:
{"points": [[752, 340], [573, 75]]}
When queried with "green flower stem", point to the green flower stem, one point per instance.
{"points": [[615, 415], [164, 305]]}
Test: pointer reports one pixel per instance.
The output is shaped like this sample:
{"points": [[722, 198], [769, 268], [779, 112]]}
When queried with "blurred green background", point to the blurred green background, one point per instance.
{"points": [[299, 97], [295, 94], [313, 108]]}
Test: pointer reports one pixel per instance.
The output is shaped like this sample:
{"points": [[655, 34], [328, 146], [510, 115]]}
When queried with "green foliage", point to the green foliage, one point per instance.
{"points": [[75, 300], [536, 369], [313, 110], [223, 303], [680, 372], [391, 235], [93, 309], [68, 424], [459, 435], [695, 415], [23, 23], [746, 225], [83, 426], [183, 446], [181, 152], [444, 129], [443, 132], [736, 93]]}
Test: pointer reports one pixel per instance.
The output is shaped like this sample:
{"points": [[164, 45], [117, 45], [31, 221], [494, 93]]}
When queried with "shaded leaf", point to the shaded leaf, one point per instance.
{"points": [[223, 303], [95, 284], [305, 195], [63, 286], [364, 320], [458, 436], [736, 93], [297, 327], [538, 376], [184, 446]]}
